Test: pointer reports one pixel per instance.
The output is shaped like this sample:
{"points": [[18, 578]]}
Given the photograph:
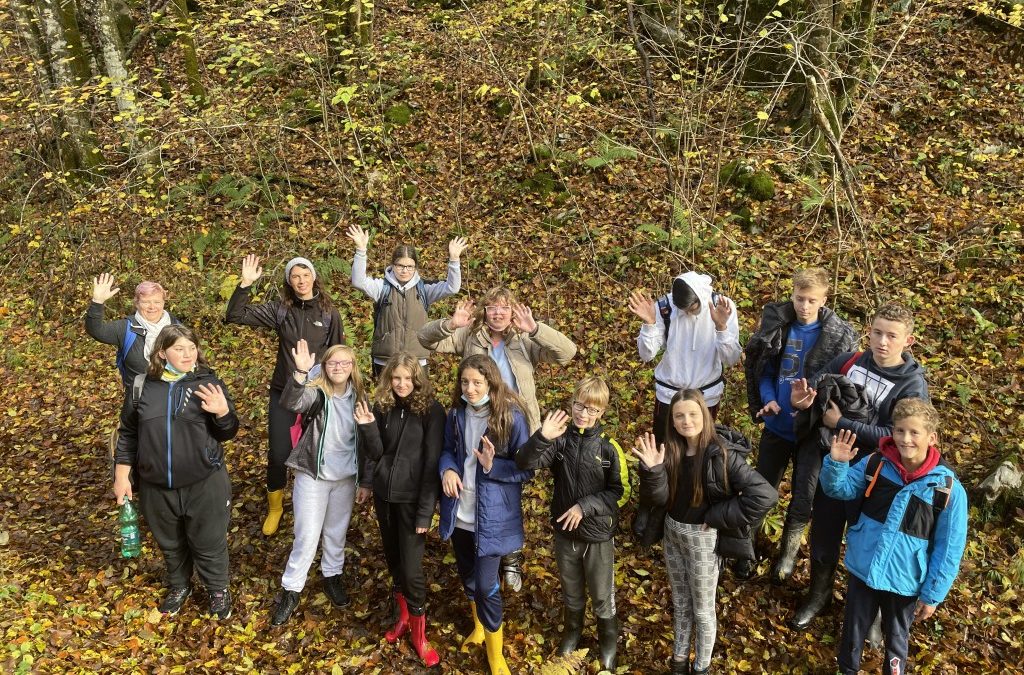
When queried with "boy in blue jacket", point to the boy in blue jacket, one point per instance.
{"points": [[904, 552]]}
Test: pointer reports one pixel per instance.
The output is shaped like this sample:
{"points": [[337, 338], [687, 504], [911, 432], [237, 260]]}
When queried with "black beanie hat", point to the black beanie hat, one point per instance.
{"points": [[683, 296]]}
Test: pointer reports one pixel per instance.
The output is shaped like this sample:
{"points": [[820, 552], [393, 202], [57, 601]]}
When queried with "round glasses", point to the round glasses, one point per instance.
{"points": [[338, 365], [579, 407]]}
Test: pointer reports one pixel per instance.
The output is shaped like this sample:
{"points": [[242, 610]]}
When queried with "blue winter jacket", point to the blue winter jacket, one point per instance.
{"points": [[898, 544], [499, 494]]}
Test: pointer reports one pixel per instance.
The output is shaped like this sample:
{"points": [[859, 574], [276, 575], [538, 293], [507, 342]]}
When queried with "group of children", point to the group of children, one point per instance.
{"points": [[347, 442]]}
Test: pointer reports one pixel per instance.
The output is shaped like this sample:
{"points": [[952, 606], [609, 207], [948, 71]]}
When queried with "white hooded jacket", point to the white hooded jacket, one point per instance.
{"points": [[696, 354]]}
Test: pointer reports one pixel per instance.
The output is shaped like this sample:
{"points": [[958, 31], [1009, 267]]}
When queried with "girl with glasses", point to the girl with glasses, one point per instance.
{"points": [[304, 312], [401, 299], [326, 465]]}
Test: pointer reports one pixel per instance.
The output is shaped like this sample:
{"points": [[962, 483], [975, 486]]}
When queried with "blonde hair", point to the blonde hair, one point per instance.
{"points": [[422, 391], [917, 407], [489, 298], [355, 378], [811, 277], [592, 391], [894, 311]]}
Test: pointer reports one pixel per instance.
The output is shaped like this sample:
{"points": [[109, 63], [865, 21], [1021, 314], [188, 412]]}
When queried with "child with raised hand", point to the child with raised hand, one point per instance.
{"points": [[401, 299], [303, 312], [482, 493], [709, 493], [904, 552], [591, 484], [172, 431], [326, 465], [402, 439]]}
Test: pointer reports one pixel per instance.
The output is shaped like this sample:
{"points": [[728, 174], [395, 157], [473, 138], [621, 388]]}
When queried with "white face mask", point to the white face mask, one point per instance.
{"points": [[479, 404]]}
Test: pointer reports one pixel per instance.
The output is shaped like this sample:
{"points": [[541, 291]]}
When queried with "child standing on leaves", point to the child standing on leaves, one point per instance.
{"points": [[591, 485], [401, 298], [171, 432], [402, 439], [482, 502], [326, 466], [904, 552], [706, 486]]}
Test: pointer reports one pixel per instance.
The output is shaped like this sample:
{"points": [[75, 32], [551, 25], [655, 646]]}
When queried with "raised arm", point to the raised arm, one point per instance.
{"points": [[367, 284], [107, 332], [239, 310], [448, 336], [727, 330], [652, 332]]}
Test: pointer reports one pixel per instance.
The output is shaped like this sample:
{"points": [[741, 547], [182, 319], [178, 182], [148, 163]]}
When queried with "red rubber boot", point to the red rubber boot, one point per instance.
{"points": [[402, 624], [418, 637]]}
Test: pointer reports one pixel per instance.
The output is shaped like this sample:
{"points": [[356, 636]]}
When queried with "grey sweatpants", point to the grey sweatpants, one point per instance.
{"points": [[322, 507], [692, 566], [583, 566]]}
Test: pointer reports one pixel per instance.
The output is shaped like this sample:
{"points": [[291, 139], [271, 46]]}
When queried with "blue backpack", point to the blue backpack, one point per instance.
{"points": [[126, 346]]}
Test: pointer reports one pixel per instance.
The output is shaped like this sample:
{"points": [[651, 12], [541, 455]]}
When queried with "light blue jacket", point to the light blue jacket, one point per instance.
{"points": [[901, 543]]}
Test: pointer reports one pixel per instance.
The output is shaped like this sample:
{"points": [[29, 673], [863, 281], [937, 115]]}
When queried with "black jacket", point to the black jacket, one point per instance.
{"points": [[590, 470], [736, 494], [883, 388], [400, 454], [302, 321], [767, 344], [170, 412]]}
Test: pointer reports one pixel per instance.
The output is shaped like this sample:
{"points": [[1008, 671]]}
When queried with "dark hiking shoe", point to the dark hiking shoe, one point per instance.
{"points": [[220, 603], [743, 569], [286, 604], [335, 590], [176, 597]]}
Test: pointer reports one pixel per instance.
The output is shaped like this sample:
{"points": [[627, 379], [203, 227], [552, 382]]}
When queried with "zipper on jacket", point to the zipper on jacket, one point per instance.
{"points": [[170, 418], [398, 449], [323, 434]]}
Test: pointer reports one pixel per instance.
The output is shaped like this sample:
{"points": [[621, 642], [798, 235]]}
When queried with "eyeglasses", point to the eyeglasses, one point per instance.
{"points": [[338, 365], [404, 268], [498, 309], [579, 407]]}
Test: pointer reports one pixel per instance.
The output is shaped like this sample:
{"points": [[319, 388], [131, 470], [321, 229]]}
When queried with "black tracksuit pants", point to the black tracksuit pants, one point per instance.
{"points": [[190, 525], [863, 604], [403, 550]]}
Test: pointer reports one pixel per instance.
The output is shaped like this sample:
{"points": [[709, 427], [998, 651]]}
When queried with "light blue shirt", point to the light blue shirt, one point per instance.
{"points": [[500, 358]]}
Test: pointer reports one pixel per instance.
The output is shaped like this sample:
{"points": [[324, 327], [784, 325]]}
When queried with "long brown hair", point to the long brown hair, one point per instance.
{"points": [[165, 340], [289, 298], [503, 400], [675, 446], [355, 378], [422, 392], [490, 298]]}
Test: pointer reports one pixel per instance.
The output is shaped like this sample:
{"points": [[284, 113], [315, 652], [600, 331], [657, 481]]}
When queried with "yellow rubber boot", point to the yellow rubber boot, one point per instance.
{"points": [[494, 656], [275, 509], [477, 636]]}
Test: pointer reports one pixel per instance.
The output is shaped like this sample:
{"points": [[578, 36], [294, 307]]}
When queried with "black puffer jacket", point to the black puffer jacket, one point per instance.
{"points": [[589, 470], [767, 343], [736, 494], [304, 320], [400, 454], [170, 412]]}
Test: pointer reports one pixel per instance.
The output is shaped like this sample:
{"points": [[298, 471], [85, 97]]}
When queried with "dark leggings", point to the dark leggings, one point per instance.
{"points": [[279, 422], [403, 550]]}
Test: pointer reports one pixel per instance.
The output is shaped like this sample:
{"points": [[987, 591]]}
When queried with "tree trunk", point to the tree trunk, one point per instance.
{"points": [[360, 16], [184, 28], [77, 141], [136, 139]]}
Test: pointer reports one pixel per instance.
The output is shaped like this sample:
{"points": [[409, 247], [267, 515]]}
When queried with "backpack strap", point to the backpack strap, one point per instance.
{"points": [[137, 385], [381, 303], [665, 309], [874, 468], [126, 346], [282, 313], [940, 500], [849, 364], [421, 289]]}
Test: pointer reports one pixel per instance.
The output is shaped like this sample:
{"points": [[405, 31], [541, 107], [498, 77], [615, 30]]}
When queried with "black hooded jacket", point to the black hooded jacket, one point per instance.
{"points": [[168, 437]]}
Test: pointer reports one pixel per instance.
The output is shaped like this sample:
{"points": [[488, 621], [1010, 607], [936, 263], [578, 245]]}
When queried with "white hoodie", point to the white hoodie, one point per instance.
{"points": [[696, 353]]}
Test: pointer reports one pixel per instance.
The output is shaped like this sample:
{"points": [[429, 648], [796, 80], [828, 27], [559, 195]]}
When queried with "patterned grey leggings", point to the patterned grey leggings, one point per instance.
{"points": [[693, 575]]}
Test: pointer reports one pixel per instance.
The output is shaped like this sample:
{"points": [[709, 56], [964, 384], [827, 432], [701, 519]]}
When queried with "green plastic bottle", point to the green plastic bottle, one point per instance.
{"points": [[129, 520]]}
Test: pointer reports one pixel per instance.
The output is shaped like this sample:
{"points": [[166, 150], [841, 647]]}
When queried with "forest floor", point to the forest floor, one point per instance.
{"points": [[428, 144]]}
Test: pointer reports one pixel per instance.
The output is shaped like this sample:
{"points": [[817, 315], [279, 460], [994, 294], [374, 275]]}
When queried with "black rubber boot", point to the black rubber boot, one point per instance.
{"points": [[512, 570], [789, 547], [607, 637], [573, 628], [819, 595]]}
